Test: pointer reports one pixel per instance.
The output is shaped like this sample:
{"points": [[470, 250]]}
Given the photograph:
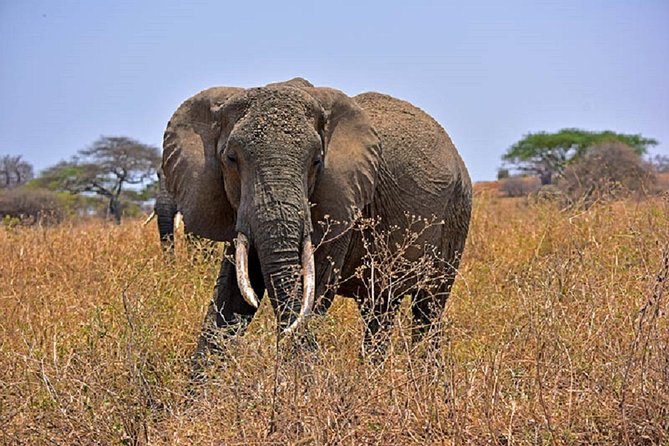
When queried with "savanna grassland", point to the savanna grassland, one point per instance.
{"points": [[556, 333]]}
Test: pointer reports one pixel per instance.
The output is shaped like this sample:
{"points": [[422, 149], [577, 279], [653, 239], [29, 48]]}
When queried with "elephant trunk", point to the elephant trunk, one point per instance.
{"points": [[165, 209], [280, 233], [165, 219], [166, 227]]}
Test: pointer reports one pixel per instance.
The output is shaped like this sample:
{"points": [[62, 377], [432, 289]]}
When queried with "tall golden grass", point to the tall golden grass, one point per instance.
{"points": [[556, 333]]}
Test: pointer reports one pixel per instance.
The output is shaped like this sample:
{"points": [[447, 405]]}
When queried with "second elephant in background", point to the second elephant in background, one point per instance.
{"points": [[169, 218]]}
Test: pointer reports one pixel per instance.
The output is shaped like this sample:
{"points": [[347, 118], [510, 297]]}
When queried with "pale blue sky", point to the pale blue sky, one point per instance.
{"points": [[489, 71]]}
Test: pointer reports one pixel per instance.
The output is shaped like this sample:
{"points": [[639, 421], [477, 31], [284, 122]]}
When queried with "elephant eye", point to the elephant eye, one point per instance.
{"points": [[318, 161], [231, 157]]}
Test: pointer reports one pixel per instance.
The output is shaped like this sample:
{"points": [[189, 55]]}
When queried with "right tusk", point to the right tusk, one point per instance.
{"points": [[150, 217], [242, 267], [177, 220], [308, 284], [309, 278]]}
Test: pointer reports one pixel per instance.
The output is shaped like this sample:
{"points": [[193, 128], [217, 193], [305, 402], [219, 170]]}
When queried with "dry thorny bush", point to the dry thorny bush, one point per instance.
{"points": [[556, 333]]}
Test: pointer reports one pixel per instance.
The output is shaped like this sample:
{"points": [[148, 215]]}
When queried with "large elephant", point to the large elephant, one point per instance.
{"points": [[261, 167]]}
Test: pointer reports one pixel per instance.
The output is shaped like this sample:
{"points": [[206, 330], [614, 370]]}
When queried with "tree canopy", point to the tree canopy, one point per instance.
{"points": [[105, 168], [546, 154]]}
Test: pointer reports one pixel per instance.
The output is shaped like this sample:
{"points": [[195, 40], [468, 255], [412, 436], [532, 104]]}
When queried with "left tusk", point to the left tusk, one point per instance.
{"points": [[177, 220], [309, 285], [242, 267], [150, 217]]}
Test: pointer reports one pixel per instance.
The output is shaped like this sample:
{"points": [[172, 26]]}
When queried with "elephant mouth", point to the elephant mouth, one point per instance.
{"points": [[308, 278]]}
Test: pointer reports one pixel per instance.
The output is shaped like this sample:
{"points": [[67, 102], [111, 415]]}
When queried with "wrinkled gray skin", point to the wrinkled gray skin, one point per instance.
{"points": [[271, 162]]}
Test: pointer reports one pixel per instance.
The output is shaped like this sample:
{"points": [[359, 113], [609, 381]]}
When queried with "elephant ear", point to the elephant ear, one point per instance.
{"points": [[352, 158], [191, 167]]}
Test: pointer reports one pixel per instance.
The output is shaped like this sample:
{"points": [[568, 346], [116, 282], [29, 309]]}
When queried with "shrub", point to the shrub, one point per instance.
{"points": [[609, 170], [519, 186], [30, 206], [548, 193]]}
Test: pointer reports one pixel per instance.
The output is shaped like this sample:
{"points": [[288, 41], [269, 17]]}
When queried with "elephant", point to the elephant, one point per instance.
{"points": [[167, 216], [262, 169]]}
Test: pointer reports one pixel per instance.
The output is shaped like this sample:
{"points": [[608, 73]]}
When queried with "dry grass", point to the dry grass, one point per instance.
{"points": [[556, 333]]}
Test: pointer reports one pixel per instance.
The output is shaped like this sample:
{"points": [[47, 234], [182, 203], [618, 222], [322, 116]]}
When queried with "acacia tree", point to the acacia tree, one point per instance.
{"points": [[14, 171], [547, 154], [105, 168]]}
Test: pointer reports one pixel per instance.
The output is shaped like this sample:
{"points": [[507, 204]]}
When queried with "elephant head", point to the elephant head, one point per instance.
{"points": [[261, 166]]}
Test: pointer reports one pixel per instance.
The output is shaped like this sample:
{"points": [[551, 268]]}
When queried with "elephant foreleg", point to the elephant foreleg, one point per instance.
{"points": [[228, 314]]}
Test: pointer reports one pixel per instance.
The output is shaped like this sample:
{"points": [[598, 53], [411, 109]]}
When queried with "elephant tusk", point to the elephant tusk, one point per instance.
{"points": [[309, 285], [309, 277], [242, 267], [177, 220], [150, 217]]}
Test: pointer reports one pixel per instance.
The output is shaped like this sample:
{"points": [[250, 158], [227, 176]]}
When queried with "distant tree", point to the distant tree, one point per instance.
{"points": [[503, 173], [105, 168], [14, 171], [547, 154], [607, 170], [660, 163]]}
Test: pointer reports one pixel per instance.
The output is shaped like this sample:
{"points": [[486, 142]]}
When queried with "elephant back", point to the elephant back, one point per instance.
{"points": [[416, 148]]}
